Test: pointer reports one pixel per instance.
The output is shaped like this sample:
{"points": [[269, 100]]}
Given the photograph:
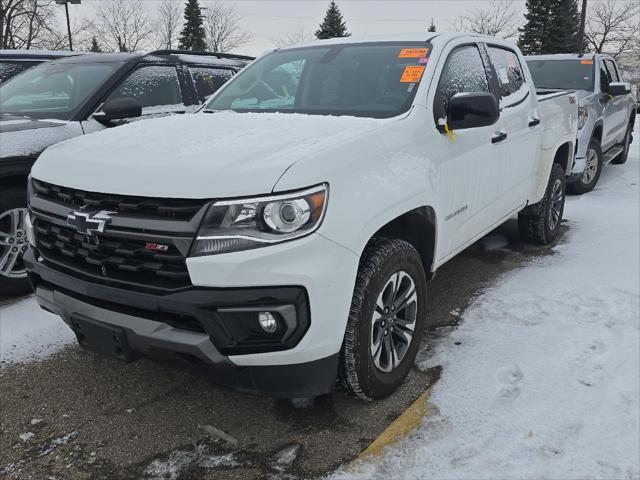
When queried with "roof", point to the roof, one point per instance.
{"points": [[38, 54], [565, 56], [440, 37]]}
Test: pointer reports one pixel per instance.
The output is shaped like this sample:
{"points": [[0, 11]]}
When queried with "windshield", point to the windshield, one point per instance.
{"points": [[368, 80], [562, 74], [52, 90], [11, 69]]}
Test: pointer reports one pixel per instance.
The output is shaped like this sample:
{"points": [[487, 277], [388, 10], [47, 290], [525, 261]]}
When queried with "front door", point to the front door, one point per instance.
{"points": [[467, 161]]}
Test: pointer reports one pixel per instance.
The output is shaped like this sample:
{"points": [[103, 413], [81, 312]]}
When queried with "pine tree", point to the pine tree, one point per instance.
{"points": [[192, 36], [95, 47], [432, 27], [333, 24], [551, 27]]}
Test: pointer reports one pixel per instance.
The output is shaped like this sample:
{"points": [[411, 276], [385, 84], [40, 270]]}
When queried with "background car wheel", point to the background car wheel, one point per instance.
{"points": [[589, 178], [13, 241], [543, 227], [386, 319], [622, 158]]}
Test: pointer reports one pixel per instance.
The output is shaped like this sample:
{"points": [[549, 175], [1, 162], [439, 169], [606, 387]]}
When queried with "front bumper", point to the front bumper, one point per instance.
{"points": [[166, 326]]}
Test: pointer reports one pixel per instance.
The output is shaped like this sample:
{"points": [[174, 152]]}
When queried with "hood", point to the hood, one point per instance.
{"points": [[27, 137], [205, 155]]}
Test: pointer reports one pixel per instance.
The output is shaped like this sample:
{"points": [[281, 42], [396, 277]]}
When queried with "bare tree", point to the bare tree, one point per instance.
{"points": [[24, 23], [169, 23], [123, 25], [499, 18], [222, 25], [612, 27], [292, 38]]}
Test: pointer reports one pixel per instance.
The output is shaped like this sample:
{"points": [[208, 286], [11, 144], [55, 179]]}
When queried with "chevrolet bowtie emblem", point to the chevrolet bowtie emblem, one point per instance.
{"points": [[89, 223]]}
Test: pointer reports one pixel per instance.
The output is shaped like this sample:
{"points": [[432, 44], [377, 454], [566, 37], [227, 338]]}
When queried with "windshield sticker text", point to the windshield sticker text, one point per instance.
{"points": [[413, 52], [412, 74]]}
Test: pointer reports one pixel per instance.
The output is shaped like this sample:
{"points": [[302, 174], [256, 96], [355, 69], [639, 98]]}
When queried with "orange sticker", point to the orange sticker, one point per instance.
{"points": [[412, 74], [586, 62], [413, 52]]}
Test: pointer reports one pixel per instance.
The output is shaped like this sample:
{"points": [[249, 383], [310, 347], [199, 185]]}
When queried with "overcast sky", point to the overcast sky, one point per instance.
{"points": [[267, 19]]}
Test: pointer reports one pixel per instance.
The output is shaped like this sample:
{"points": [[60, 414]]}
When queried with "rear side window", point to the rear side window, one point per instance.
{"points": [[11, 69], [463, 72], [508, 70], [611, 69], [153, 86], [208, 80]]}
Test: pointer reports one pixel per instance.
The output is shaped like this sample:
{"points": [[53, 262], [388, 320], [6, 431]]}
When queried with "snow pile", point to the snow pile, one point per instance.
{"points": [[29, 333], [545, 381], [181, 461]]}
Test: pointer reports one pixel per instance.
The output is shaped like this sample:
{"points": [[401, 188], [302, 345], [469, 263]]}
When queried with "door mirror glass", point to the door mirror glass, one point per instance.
{"points": [[619, 88], [470, 110]]}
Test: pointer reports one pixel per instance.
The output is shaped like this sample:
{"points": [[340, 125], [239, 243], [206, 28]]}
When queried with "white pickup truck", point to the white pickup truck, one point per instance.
{"points": [[283, 237]]}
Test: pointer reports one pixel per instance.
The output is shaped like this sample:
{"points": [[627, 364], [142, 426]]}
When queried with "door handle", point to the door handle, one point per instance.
{"points": [[498, 137], [534, 122]]}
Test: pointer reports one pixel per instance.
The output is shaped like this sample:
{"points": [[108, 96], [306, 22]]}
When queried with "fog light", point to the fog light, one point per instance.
{"points": [[268, 322]]}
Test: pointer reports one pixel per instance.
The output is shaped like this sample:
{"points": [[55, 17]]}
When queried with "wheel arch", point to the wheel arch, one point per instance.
{"points": [[564, 156], [597, 131], [417, 227]]}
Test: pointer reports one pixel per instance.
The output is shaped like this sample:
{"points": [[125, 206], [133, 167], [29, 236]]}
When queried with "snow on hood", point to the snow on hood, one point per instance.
{"points": [[196, 156], [26, 137]]}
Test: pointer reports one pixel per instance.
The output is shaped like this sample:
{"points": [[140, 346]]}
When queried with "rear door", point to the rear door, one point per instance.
{"points": [[520, 121], [207, 79], [469, 163]]}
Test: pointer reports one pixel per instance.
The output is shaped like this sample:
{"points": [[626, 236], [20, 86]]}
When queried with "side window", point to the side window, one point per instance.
{"points": [[611, 69], [208, 80], [463, 72], [605, 78], [508, 70], [153, 86]]}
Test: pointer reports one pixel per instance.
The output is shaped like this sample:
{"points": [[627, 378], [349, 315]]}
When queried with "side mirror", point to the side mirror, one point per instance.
{"points": [[619, 88], [119, 109], [470, 110]]}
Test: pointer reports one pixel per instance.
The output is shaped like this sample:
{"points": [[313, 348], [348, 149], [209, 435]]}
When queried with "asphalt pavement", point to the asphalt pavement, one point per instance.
{"points": [[76, 415]]}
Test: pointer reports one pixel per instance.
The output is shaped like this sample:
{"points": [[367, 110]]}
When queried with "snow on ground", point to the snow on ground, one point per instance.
{"points": [[29, 333], [545, 381]]}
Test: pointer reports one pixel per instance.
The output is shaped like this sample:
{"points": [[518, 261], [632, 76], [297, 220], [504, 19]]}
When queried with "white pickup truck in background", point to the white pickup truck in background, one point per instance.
{"points": [[283, 237]]}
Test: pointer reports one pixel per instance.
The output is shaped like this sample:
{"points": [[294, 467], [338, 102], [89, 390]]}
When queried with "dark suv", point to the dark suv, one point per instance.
{"points": [[12, 62], [82, 94]]}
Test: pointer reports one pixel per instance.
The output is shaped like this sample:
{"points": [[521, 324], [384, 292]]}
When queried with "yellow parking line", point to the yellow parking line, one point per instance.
{"points": [[401, 428]]}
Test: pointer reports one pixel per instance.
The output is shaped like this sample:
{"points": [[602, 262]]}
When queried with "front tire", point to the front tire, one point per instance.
{"points": [[589, 178], [13, 241], [386, 320], [543, 226]]}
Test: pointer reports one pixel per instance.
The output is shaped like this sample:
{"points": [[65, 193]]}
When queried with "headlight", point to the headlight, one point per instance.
{"points": [[234, 225], [583, 115]]}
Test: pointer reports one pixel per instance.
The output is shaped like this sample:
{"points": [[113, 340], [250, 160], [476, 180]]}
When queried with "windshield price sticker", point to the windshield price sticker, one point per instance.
{"points": [[412, 74], [586, 62], [413, 52]]}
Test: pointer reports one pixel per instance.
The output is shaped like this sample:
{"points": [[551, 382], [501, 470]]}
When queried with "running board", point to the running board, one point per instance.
{"points": [[613, 153]]}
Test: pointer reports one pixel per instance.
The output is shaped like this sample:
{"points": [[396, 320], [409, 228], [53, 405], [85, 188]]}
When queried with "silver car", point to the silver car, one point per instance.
{"points": [[606, 105]]}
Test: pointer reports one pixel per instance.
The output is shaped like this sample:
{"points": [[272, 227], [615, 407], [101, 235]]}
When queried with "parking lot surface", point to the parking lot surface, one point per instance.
{"points": [[75, 415]]}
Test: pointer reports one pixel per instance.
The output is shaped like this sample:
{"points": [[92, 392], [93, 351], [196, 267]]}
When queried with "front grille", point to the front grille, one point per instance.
{"points": [[148, 207], [110, 257]]}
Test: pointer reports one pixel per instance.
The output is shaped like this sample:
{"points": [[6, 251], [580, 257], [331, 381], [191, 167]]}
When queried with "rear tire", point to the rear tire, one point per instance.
{"points": [[543, 227], [13, 280], [385, 322], [628, 138], [589, 178]]}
